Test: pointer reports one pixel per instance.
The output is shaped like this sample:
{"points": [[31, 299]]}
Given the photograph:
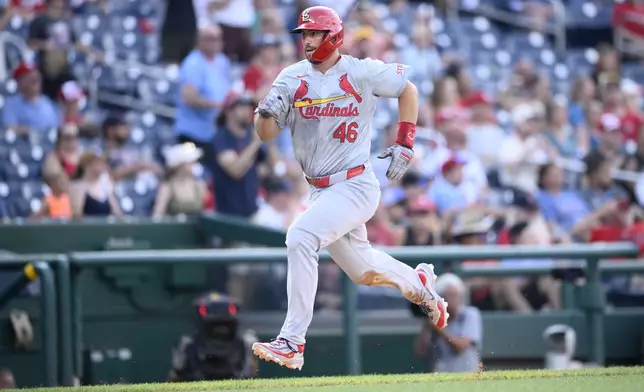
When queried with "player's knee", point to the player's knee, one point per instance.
{"points": [[300, 240]]}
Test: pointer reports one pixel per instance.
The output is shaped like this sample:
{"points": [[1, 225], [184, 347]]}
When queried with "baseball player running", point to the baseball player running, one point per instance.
{"points": [[328, 100]]}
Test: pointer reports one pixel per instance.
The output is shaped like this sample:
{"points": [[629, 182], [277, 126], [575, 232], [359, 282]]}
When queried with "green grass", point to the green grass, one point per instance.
{"points": [[616, 379]]}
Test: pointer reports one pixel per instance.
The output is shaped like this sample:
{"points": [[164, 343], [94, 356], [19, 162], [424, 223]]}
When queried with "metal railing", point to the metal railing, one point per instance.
{"points": [[593, 253], [123, 66], [61, 296], [38, 267]]}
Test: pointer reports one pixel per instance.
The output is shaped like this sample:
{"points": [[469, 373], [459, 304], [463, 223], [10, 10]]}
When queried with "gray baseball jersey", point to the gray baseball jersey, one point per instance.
{"points": [[330, 114], [330, 117]]}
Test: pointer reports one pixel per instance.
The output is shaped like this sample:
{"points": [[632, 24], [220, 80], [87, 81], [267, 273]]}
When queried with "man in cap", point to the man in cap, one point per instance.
{"points": [[447, 190], [29, 110], [238, 152]]}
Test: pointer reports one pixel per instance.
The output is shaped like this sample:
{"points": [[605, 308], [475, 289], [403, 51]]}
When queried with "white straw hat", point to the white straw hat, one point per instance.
{"points": [[182, 153]]}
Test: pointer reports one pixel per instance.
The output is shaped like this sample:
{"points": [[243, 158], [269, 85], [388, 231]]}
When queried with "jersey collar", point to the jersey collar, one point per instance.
{"points": [[334, 67]]}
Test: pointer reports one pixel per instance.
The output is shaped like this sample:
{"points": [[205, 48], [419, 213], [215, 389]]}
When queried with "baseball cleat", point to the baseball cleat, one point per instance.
{"points": [[281, 352], [433, 305]]}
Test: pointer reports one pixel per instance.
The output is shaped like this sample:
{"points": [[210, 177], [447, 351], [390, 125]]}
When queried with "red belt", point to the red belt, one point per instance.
{"points": [[327, 181]]}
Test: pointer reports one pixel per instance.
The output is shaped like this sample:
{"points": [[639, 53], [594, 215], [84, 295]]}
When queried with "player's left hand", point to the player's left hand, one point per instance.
{"points": [[400, 159]]}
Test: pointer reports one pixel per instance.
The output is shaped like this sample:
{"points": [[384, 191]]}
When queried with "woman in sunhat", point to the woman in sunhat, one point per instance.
{"points": [[182, 192]]}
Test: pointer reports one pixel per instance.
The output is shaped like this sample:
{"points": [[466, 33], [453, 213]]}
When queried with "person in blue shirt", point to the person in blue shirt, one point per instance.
{"points": [[447, 191], [582, 93], [204, 79], [561, 208], [238, 152], [29, 110]]}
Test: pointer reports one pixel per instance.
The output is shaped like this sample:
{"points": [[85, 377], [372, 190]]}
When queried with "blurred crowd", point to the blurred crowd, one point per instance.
{"points": [[518, 165]]}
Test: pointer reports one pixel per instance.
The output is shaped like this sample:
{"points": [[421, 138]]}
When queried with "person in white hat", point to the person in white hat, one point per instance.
{"points": [[455, 348], [182, 192], [524, 150]]}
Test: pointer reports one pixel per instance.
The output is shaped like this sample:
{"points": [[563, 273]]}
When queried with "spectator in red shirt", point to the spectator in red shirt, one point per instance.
{"points": [[66, 153], [628, 19], [616, 222], [265, 66], [605, 224]]}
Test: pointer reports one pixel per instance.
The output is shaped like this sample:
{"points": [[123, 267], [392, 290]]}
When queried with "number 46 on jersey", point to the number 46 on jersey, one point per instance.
{"points": [[346, 131]]}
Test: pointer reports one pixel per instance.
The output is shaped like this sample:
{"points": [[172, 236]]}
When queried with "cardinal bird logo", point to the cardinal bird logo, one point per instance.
{"points": [[300, 93], [346, 86]]}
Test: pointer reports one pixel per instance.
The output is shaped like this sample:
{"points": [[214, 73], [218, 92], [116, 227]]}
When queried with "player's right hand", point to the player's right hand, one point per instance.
{"points": [[271, 106], [400, 159]]}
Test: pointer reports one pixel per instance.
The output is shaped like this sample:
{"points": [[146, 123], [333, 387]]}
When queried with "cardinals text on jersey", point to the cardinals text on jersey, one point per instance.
{"points": [[313, 109]]}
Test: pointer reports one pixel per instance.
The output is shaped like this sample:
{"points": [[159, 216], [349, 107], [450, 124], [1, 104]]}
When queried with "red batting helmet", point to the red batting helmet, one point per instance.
{"points": [[321, 18]]}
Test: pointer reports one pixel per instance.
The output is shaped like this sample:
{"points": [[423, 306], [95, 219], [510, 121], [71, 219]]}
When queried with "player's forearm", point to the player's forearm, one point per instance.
{"points": [[408, 104], [266, 128], [407, 117]]}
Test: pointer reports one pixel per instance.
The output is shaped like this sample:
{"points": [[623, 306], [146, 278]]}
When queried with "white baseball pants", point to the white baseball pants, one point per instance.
{"points": [[335, 219]]}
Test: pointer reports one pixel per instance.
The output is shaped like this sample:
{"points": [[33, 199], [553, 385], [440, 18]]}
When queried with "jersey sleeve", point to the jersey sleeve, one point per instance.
{"points": [[280, 88], [388, 79]]}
